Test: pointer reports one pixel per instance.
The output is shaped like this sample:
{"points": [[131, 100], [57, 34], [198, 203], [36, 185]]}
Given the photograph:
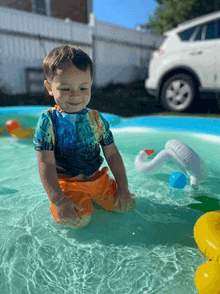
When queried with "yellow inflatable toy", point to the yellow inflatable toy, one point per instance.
{"points": [[22, 133], [14, 129], [207, 237], [1, 130], [207, 278]]}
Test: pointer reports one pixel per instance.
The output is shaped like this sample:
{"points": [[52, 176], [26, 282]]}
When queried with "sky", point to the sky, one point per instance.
{"points": [[126, 13]]}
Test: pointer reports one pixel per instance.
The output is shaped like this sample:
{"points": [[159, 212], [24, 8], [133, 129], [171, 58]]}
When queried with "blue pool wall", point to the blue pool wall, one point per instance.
{"points": [[191, 124]]}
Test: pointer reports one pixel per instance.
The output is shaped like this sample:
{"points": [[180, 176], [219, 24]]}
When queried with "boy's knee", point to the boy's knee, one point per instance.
{"points": [[85, 219], [129, 207]]}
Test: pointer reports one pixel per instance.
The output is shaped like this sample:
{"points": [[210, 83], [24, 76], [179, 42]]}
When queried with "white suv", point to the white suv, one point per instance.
{"points": [[187, 64]]}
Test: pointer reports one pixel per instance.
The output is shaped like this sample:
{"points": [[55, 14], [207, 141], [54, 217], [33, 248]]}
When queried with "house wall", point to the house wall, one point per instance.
{"points": [[76, 10], [24, 5]]}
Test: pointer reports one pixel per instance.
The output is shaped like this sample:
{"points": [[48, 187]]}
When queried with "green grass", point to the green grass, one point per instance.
{"points": [[213, 115]]}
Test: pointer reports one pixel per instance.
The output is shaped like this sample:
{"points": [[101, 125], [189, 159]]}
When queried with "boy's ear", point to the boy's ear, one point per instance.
{"points": [[47, 86]]}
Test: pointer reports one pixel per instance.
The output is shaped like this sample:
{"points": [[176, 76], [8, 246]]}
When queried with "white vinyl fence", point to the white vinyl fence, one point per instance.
{"points": [[119, 54], [26, 38]]}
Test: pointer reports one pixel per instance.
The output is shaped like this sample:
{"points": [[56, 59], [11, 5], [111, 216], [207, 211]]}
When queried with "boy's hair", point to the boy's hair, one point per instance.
{"points": [[64, 54]]}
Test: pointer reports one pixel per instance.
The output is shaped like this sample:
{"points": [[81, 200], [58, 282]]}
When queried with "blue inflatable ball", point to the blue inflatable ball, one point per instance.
{"points": [[178, 180]]}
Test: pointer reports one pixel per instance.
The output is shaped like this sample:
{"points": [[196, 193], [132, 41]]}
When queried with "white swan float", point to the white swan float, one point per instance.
{"points": [[184, 156]]}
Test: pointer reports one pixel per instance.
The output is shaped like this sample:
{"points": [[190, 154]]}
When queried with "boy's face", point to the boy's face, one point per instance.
{"points": [[71, 88]]}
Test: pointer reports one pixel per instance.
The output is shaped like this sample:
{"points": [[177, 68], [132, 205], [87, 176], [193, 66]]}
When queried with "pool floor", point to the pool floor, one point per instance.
{"points": [[149, 250]]}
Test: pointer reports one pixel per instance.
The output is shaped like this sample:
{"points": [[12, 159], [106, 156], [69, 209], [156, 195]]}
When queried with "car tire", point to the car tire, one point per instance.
{"points": [[171, 99]]}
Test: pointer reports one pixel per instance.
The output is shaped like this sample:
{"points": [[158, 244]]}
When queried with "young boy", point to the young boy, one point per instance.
{"points": [[67, 141]]}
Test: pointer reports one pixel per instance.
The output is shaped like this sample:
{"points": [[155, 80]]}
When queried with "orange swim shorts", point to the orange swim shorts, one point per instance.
{"points": [[102, 189]]}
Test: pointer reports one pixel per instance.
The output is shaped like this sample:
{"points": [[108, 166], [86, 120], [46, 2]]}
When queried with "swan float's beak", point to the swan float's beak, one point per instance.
{"points": [[149, 152]]}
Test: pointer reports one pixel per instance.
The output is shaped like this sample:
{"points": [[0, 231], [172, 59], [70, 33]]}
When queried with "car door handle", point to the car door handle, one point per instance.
{"points": [[196, 52]]}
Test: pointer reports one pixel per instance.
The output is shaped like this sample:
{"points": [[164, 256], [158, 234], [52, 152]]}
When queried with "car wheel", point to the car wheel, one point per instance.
{"points": [[178, 93]]}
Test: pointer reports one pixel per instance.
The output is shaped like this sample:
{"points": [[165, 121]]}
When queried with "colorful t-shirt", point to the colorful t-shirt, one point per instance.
{"points": [[74, 138]]}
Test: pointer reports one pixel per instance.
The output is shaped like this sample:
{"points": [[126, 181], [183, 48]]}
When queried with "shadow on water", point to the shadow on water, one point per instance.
{"points": [[4, 190], [148, 225], [206, 204]]}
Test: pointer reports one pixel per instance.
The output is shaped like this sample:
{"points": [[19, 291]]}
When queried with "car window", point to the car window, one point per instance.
{"points": [[199, 34], [186, 34], [210, 33]]}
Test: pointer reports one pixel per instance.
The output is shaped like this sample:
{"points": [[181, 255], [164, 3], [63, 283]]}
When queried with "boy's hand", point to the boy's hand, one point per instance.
{"points": [[67, 213], [124, 200]]}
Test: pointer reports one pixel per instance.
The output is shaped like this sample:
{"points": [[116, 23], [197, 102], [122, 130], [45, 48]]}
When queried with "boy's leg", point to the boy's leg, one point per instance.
{"points": [[128, 207], [104, 192], [77, 192], [85, 214], [85, 219]]}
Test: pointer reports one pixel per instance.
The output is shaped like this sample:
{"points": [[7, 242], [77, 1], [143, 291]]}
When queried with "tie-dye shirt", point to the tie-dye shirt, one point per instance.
{"points": [[74, 138]]}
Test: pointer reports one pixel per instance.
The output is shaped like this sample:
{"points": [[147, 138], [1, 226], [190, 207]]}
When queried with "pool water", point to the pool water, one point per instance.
{"points": [[149, 250]]}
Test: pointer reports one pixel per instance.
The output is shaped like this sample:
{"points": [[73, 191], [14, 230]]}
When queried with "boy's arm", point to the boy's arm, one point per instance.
{"points": [[49, 177], [116, 165]]}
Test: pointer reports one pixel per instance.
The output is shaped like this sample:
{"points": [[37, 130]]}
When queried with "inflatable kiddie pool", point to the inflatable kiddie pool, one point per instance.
{"points": [[151, 249]]}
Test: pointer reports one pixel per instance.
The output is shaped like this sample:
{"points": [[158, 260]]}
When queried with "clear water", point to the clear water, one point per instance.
{"points": [[149, 250]]}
